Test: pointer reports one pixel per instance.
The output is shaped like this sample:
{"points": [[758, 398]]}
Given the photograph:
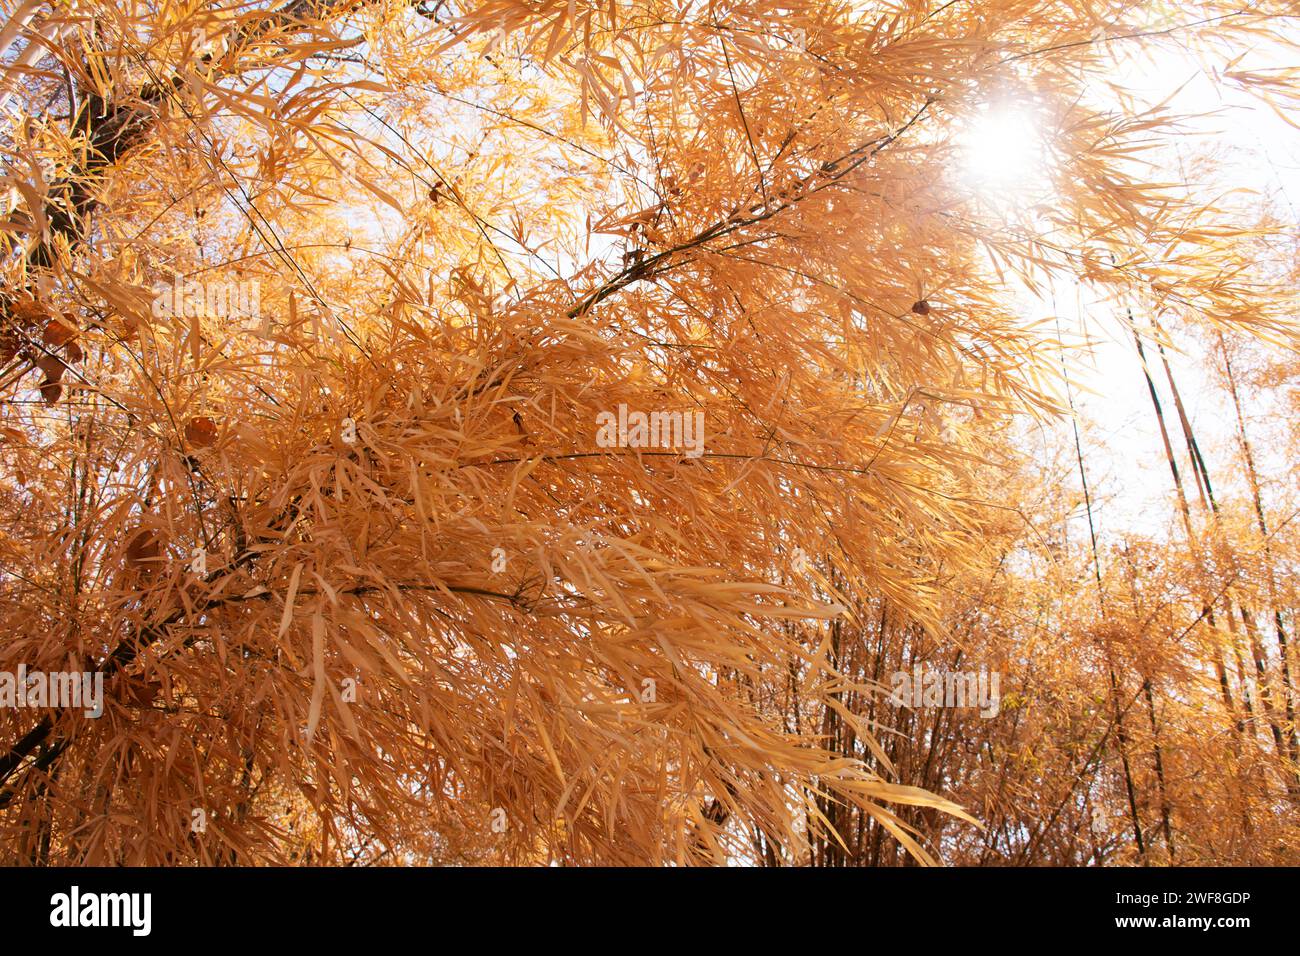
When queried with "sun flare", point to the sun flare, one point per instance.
{"points": [[1004, 151]]}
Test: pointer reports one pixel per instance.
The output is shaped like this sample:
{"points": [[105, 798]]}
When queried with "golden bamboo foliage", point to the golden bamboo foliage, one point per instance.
{"points": [[312, 313]]}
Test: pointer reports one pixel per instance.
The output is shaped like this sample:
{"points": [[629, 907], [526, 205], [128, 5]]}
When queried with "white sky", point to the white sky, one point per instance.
{"points": [[1124, 456]]}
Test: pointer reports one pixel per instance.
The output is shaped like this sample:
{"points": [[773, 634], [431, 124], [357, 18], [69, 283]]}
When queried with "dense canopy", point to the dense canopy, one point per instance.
{"points": [[313, 313]]}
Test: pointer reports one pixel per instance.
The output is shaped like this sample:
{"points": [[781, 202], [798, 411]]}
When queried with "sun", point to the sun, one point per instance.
{"points": [[1003, 151]]}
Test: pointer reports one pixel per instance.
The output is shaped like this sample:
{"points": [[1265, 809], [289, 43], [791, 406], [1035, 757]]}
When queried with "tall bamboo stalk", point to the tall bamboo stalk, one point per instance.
{"points": [[1207, 607], [1283, 644], [1211, 505]]}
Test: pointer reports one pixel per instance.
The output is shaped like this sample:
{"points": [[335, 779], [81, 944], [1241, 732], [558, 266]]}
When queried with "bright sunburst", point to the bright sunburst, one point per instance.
{"points": [[1003, 151]]}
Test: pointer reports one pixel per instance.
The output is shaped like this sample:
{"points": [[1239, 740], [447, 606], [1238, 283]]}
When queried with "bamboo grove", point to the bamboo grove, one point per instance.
{"points": [[310, 311]]}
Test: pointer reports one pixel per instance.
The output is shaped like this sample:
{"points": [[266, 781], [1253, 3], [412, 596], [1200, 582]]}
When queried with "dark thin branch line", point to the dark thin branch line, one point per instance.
{"points": [[654, 265], [1132, 36]]}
